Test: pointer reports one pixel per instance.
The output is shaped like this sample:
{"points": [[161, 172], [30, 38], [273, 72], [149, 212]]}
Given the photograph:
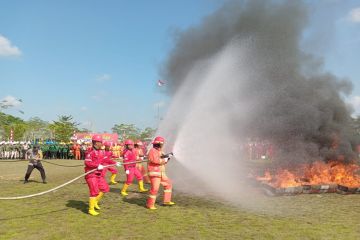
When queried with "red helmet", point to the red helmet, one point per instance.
{"points": [[129, 142], [107, 144], [139, 143], [97, 138], [159, 140]]}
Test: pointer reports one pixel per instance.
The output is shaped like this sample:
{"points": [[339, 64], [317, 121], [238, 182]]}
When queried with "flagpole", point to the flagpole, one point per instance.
{"points": [[160, 83], [158, 108]]}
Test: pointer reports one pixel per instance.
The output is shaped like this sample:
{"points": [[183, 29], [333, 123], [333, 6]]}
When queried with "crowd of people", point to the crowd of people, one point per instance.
{"points": [[14, 149], [52, 150]]}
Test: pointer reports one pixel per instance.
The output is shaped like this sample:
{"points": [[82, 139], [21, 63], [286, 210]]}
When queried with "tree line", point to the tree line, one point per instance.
{"points": [[60, 130]]}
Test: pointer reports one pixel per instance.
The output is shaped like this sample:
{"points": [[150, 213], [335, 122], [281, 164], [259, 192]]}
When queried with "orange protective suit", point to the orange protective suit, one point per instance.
{"points": [[156, 173], [77, 151], [140, 156]]}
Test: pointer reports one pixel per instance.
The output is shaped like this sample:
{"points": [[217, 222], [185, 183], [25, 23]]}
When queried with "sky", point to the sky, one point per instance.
{"points": [[99, 61]]}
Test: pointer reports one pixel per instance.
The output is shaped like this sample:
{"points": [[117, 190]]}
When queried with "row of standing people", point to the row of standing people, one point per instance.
{"points": [[14, 149], [17, 150], [62, 150], [74, 150], [97, 159]]}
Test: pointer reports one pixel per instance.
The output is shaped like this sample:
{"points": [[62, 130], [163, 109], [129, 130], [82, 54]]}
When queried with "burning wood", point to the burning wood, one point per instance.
{"points": [[318, 177]]}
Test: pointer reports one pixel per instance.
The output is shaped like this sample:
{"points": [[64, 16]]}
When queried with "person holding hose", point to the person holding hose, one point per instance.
{"points": [[157, 175], [110, 155], [34, 156], [138, 147], [96, 182], [129, 155]]}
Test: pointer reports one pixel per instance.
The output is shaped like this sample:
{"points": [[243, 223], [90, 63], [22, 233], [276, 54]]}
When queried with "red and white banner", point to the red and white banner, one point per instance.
{"points": [[86, 137]]}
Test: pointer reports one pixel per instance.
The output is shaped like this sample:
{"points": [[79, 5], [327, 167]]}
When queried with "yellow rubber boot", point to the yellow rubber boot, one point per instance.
{"points": [[123, 190], [98, 198], [141, 187], [152, 208], [92, 201], [112, 179], [169, 203]]}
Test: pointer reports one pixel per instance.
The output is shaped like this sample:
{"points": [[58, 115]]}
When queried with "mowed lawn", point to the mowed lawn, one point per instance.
{"points": [[62, 214]]}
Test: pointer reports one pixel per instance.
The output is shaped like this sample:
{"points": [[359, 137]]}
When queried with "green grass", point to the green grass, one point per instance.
{"points": [[62, 215]]}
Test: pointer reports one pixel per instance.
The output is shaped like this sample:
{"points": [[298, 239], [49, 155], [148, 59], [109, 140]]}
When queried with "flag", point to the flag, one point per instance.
{"points": [[160, 83]]}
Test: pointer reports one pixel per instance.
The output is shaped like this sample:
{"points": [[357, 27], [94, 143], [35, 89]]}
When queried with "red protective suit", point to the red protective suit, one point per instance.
{"points": [[95, 180], [130, 169], [156, 172], [88, 149], [108, 156]]}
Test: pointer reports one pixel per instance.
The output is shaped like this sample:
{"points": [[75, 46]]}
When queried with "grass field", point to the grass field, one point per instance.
{"points": [[62, 214]]}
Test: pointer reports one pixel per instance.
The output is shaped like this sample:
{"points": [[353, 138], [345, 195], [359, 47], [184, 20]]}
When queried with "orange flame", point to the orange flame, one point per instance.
{"points": [[315, 174]]}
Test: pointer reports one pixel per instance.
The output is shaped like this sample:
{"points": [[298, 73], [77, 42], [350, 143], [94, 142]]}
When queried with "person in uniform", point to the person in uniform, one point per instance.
{"points": [[34, 156], [156, 172], [130, 157], [94, 164]]}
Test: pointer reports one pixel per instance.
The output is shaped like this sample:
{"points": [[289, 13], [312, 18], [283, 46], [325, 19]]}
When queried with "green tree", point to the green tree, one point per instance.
{"points": [[147, 134], [63, 128], [8, 122], [126, 131], [37, 129]]}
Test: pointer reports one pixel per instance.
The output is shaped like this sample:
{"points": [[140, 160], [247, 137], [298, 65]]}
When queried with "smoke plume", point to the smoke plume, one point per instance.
{"points": [[242, 74]]}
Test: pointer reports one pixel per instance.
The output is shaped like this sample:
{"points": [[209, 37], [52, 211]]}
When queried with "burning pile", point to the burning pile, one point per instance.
{"points": [[333, 176]]}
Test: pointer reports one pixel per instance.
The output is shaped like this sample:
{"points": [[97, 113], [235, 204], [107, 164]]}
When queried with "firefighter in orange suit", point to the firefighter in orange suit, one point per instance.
{"points": [[156, 173], [77, 151], [138, 147]]}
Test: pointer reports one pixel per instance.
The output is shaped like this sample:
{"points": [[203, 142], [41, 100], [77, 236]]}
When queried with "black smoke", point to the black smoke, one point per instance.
{"points": [[297, 105]]}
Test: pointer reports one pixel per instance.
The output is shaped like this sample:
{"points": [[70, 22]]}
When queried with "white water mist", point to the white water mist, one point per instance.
{"points": [[198, 126]]}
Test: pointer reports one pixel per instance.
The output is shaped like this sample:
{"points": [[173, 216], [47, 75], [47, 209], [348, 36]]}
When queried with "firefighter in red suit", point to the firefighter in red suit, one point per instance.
{"points": [[94, 160], [140, 156], [156, 172], [131, 171], [110, 155]]}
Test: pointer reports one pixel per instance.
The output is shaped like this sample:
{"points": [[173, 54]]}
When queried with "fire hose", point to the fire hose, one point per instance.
{"points": [[56, 164], [65, 184]]}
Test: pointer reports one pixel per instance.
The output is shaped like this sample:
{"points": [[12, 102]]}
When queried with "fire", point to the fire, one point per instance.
{"points": [[314, 174]]}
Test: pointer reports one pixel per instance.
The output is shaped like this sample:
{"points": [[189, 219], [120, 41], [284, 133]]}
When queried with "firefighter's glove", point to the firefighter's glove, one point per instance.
{"points": [[127, 171], [100, 167], [118, 164]]}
